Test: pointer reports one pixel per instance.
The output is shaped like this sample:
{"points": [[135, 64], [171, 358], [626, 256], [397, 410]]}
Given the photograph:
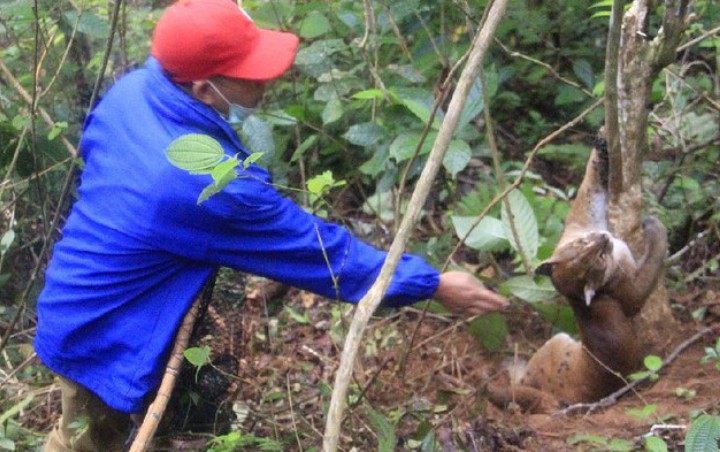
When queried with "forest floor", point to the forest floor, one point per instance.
{"points": [[286, 344]]}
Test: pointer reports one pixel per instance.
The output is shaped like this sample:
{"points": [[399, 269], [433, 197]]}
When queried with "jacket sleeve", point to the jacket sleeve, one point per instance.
{"points": [[257, 230]]}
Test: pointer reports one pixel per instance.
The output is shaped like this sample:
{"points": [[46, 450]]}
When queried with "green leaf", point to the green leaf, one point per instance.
{"points": [[655, 444], [15, 409], [653, 363], [296, 316], [584, 71], [57, 129], [4, 278], [586, 438], [319, 184], [90, 24], [419, 103], [474, 104], [7, 444], [207, 192], [378, 163], [525, 224], [365, 134], [385, 431], [257, 136], [195, 152], [333, 111], [457, 157], [704, 434], [368, 94], [568, 95], [488, 235], [530, 289], [6, 241], [307, 143], [404, 145], [643, 412], [313, 25], [223, 173], [490, 331], [198, 356], [252, 158]]}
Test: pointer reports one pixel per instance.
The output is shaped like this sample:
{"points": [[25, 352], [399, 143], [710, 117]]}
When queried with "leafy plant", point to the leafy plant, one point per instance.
{"points": [[652, 364], [712, 354], [235, 441], [704, 434], [600, 442]]}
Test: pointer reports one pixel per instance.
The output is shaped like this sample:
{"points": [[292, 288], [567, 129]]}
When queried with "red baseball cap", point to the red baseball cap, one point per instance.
{"points": [[198, 39]]}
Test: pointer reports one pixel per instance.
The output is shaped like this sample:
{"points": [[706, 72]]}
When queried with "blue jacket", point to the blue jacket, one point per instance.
{"points": [[137, 248]]}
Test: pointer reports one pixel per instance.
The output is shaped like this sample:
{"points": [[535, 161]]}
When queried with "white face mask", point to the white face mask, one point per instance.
{"points": [[236, 112]]}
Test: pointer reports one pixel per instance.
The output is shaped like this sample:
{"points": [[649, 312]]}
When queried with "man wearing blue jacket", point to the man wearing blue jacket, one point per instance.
{"points": [[137, 248]]}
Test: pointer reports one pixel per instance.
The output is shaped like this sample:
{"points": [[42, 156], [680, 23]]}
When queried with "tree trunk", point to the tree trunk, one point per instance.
{"points": [[639, 60]]}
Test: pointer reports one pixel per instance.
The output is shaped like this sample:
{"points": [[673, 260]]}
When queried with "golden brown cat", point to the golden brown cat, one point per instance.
{"points": [[605, 286]]}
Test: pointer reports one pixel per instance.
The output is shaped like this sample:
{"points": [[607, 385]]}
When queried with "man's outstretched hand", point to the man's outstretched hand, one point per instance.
{"points": [[464, 294]]}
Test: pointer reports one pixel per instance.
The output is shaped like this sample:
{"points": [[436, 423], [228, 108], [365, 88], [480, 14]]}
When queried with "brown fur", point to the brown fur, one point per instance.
{"points": [[605, 287]]}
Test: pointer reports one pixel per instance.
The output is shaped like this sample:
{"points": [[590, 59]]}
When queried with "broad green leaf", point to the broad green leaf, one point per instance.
{"points": [[7, 444], [365, 134], [490, 331], [525, 223], [405, 144], [457, 157], [90, 23], [198, 356], [314, 59], [704, 434], [653, 362], [378, 162], [333, 111], [655, 444], [257, 136], [475, 102], [419, 103], [313, 25], [195, 152], [568, 95], [532, 290], [488, 235]]}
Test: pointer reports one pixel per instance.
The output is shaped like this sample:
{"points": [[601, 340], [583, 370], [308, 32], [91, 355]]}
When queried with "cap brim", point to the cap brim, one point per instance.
{"points": [[272, 55]]}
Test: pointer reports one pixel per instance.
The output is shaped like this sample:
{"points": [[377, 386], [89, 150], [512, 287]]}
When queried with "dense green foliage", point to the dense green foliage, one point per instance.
{"points": [[364, 101]]}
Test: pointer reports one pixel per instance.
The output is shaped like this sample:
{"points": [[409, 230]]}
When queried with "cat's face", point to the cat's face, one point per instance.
{"points": [[580, 264]]}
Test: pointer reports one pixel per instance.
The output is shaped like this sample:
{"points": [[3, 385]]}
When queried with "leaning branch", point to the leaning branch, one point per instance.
{"points": [[372, 299]]}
